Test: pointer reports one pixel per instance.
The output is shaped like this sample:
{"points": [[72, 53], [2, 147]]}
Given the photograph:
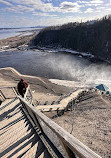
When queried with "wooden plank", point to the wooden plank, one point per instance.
{"points": [[3, 96], [14, 91], [68, 152], [74, 144], [48, 144], [4, 91], [50, 108], [27, 89], [63, 103]]}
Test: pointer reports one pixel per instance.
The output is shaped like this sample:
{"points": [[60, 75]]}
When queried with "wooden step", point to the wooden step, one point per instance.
{"points": [[17, 136], [16, 149], [17, 130], [45, 154], [5, 102], [63, 103], [35, 150]]}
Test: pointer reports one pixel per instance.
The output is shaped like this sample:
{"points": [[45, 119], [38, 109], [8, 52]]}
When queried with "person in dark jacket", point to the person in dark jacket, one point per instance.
{"points": [[22, 85]]}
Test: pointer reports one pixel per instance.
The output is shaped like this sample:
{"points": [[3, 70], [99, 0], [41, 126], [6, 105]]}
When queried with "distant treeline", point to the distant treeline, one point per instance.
{"points": [[90, 36]]}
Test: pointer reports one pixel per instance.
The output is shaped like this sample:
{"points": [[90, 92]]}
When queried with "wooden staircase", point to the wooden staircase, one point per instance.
{"points": [[27, 132], [64, 103], [17, 136]]}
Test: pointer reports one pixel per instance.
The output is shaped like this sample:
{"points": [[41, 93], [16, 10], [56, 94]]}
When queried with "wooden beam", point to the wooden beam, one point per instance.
{"points": [[68, 152], [74, 144], [46, 141], [3, 96]]}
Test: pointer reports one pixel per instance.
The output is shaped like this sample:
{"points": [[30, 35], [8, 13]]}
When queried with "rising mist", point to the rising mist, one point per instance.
{"points": [[78, 69]]}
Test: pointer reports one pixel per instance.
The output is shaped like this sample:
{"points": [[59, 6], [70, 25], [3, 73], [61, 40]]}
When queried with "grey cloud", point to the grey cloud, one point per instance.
{"points": [[67, 5]]}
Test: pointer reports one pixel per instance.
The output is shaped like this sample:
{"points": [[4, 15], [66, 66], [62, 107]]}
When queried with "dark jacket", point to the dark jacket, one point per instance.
{"points": [[22, 85]]}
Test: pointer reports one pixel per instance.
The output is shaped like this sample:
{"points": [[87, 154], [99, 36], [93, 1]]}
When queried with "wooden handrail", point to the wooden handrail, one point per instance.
{"points": [[69, 142], [28, 90], [13, 89]]}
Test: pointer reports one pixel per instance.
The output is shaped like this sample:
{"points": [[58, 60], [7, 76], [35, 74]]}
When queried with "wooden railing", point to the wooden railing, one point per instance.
{"points": [[2, 95], [28, 95], [7, 90], [70, 144], [71, 147]]}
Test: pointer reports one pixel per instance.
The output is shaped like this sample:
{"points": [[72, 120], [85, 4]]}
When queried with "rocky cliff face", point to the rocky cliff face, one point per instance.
{"points": [[94, 38]]}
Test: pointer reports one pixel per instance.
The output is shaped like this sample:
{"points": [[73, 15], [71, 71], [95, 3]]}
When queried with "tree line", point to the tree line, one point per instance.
{"points": [[91, 36]]}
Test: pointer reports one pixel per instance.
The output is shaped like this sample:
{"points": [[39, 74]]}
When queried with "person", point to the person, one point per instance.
{"points": [[22, 85]]}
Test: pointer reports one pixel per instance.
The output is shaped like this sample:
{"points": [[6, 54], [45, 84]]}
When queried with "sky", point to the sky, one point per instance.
{"points": [[26, 13]]}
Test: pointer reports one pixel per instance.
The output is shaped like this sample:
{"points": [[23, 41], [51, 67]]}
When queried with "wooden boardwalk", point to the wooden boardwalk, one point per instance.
{"points": [[63, 103], [26, 132], [17, 136]]}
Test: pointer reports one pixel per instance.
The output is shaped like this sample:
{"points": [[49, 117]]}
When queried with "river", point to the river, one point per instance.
{"points": [[53, 64], [56, 65], [40, 63]]}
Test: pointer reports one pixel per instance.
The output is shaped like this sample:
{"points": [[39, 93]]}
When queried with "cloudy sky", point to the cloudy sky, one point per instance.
{"points": [[17, 13]]}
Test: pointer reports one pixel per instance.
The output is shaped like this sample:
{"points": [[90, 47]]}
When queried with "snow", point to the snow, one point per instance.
{"points": [[67, 83], [80, 54], [76, 84], [26, 34]]}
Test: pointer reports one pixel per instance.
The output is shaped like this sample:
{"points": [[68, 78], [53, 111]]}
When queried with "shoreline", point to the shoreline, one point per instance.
{"points": [[85, 55], [21, 43], [18, 42]]}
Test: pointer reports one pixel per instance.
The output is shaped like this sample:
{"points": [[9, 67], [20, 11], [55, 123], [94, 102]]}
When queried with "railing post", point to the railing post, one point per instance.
{"points": [[14, 90], [25, 96], [67, 150], [31, 96], [26, 92], [2, 95]]}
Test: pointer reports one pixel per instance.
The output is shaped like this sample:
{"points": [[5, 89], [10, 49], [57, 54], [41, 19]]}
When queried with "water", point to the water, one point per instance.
{"points": [[39, 63], [6, 33], [56, 66]]}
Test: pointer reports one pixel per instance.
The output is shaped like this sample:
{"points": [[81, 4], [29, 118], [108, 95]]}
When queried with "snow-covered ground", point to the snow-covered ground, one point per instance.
{"points": [[81, 84], [68, 83], [80, 54], [26, 34], [6, 33]]}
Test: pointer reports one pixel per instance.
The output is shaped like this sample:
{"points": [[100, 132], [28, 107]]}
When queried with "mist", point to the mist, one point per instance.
{"points": [[69, 67], [62, 66]]}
